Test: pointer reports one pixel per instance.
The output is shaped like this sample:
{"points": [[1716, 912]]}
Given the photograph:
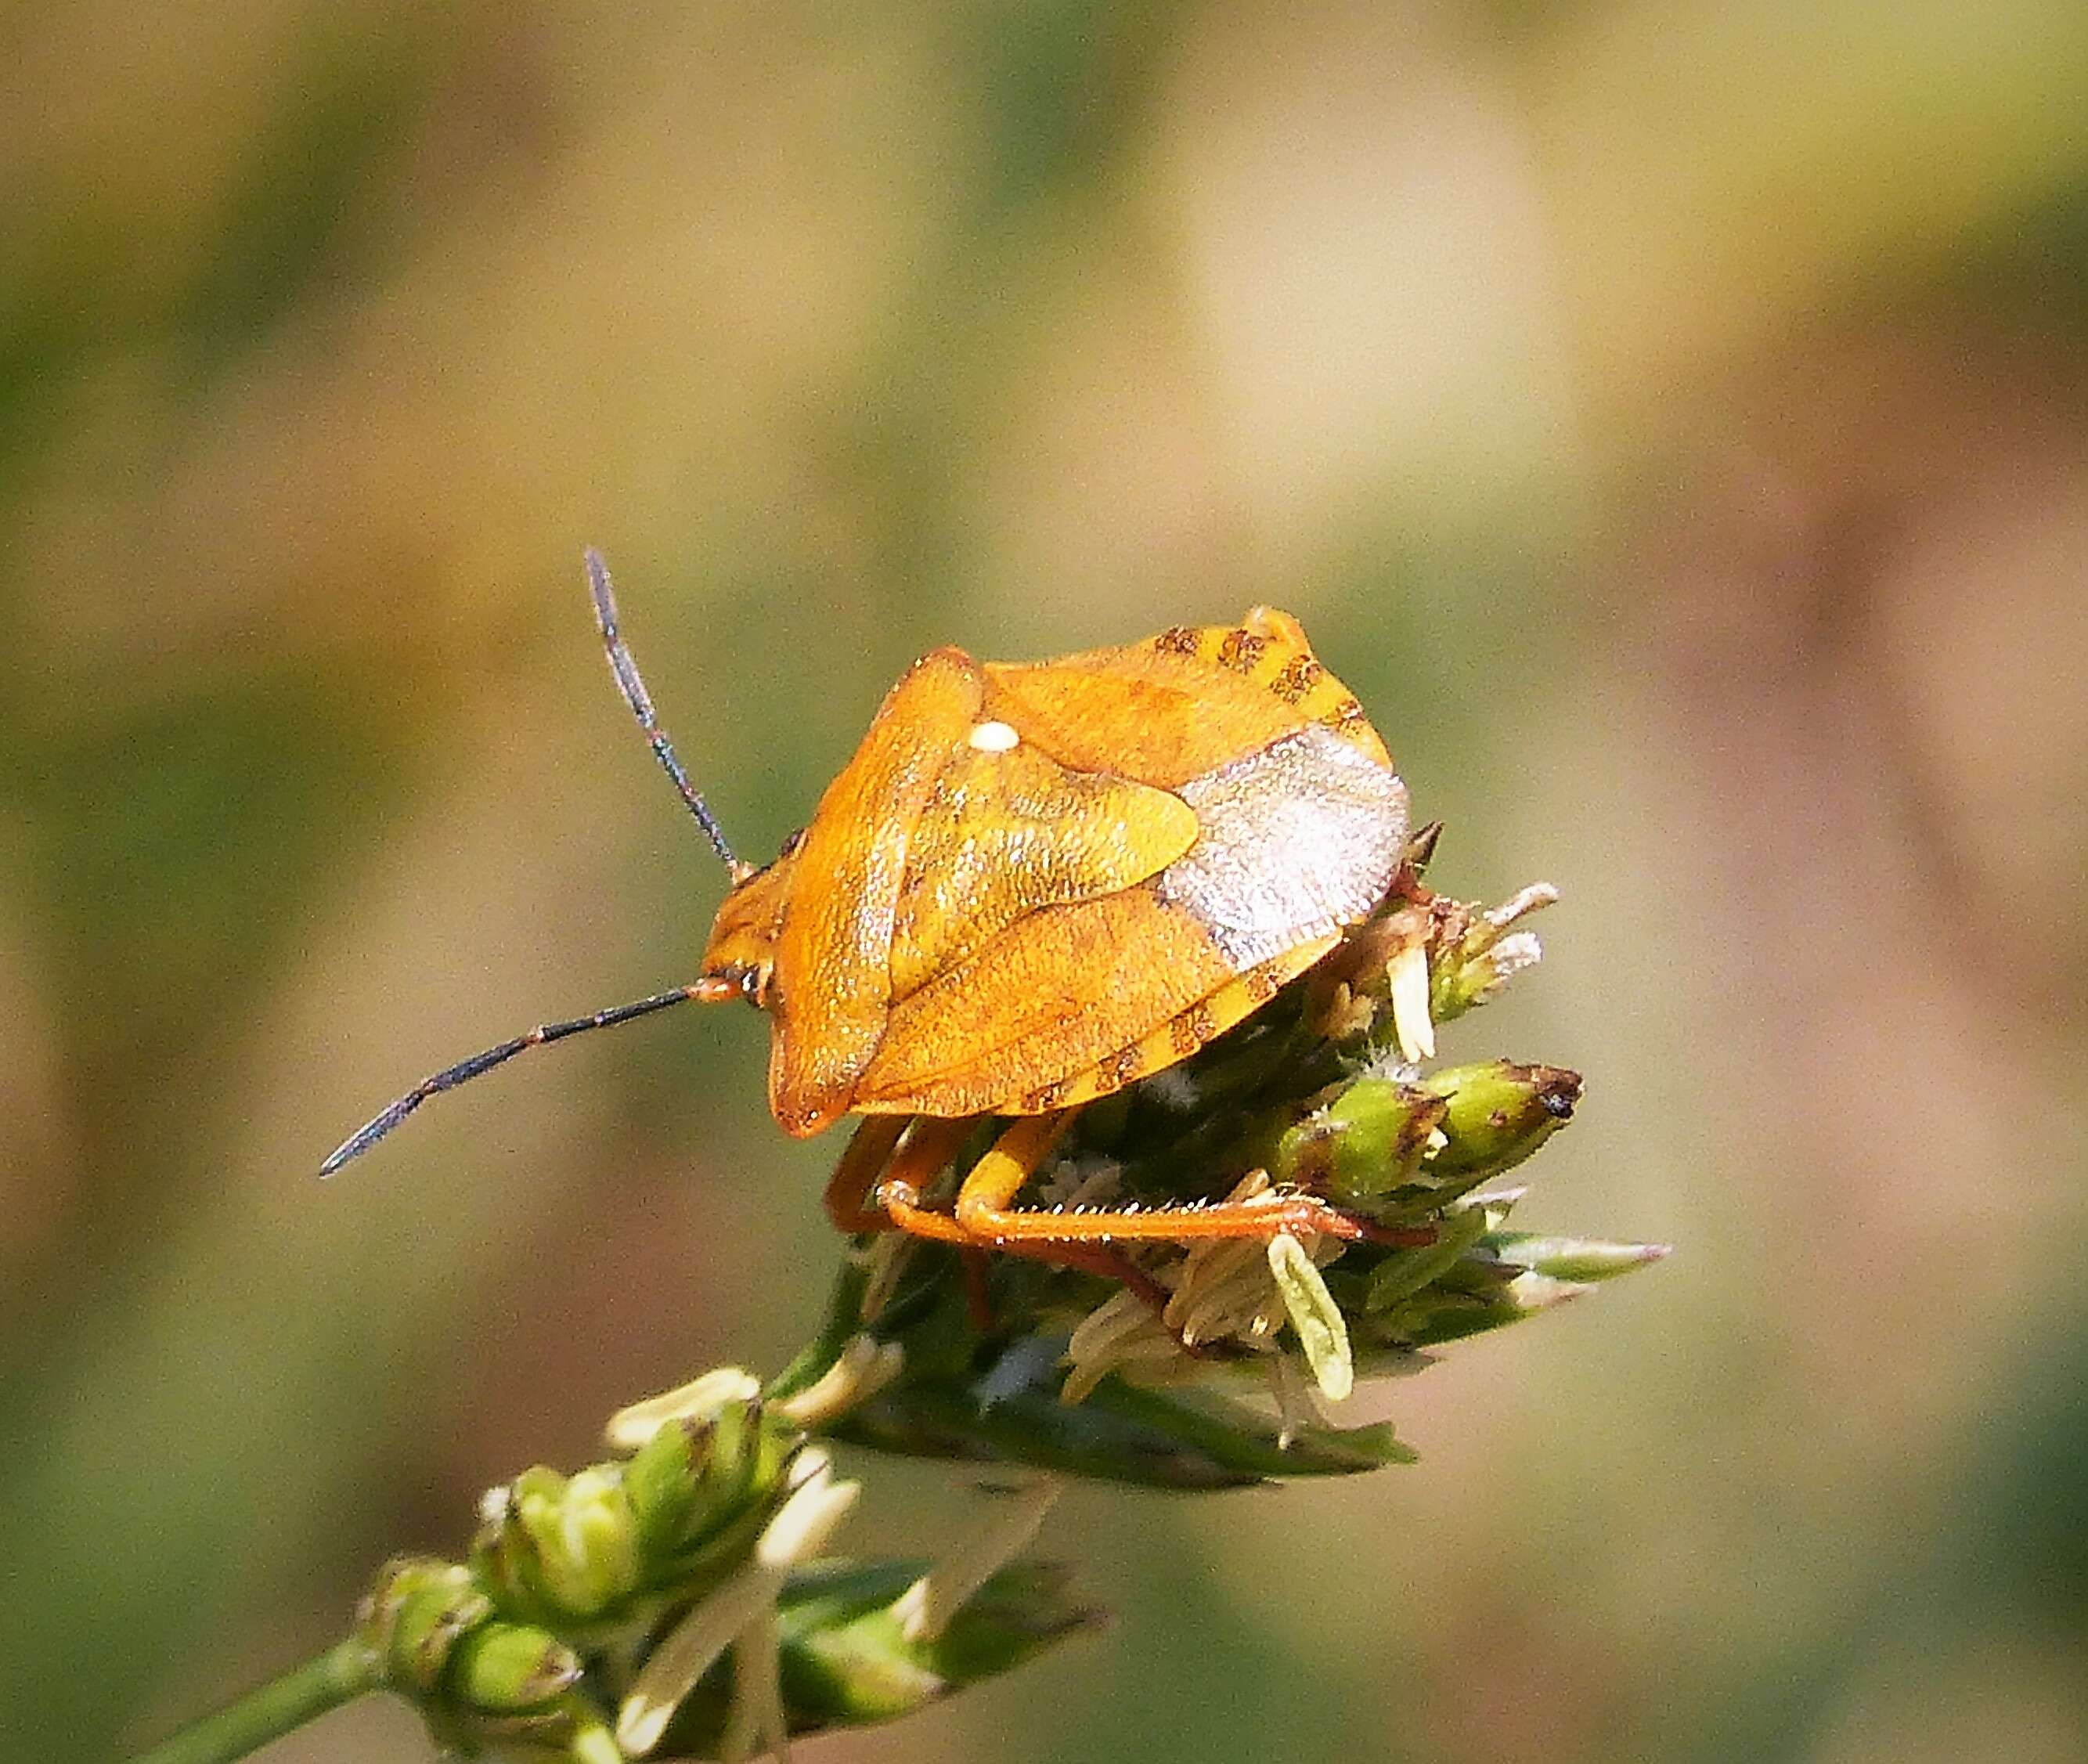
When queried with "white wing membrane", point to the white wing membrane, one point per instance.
{"points": [[1298, 840]]}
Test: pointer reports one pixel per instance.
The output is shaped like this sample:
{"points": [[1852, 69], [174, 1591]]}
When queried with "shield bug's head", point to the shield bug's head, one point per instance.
{"points": [[739, 961]]}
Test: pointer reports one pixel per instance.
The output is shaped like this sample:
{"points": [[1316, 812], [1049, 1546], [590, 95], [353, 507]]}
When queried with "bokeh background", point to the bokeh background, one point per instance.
{"points": [[1669, 417]]}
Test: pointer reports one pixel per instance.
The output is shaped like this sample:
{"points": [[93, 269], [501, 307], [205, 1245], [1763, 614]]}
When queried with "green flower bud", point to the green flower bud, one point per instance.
{"points": [[511, 1668], [701, 1490], [1367, 1142], [555, 1550], [692, 1476], [1496, 1115], [587, 1538], [663, 1480], [415, 1615]]}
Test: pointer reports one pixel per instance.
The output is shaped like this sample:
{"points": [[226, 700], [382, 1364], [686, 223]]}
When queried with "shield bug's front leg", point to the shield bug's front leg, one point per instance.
{"points": [[897, 1199], [847, 1197]]}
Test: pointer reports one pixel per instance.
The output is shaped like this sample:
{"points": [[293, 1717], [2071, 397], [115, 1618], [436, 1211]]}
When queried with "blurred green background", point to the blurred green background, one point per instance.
{"points": [[1669, 417]]}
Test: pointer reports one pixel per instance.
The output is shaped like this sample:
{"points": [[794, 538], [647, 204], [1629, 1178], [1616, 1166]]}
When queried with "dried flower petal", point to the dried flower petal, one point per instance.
{"points": [[1322, 1332]]}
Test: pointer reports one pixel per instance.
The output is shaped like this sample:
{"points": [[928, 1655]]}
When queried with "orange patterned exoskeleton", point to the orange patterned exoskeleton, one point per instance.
{"points": [[1033, 884]]}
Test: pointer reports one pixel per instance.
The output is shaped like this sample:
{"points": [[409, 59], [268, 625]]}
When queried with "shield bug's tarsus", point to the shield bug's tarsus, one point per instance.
{"points": [[1032, 885]]}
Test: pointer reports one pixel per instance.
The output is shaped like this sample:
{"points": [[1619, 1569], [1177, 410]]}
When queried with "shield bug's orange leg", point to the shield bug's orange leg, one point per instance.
{"points": [[997, 1178], [847, 1197], [984, 1214], [932, 1145], [1299, 1214]]}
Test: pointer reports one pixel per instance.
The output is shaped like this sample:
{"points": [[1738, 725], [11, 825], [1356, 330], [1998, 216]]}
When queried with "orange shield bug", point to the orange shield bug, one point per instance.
{"points": [[1033, 884]]}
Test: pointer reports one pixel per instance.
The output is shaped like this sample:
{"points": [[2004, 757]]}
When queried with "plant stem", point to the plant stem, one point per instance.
{"points": [[326, 1681]]}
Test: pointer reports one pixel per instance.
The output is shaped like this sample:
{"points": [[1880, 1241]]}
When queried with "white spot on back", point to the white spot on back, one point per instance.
{"points": [[992, 737]]}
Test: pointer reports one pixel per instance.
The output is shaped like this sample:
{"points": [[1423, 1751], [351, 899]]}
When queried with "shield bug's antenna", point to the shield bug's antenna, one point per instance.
{"points": [[464, 1070], [640, 701]]}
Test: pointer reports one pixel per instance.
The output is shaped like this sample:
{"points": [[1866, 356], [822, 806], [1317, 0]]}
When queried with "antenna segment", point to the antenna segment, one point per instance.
{"points": [[464, 1070], [640, 701]]}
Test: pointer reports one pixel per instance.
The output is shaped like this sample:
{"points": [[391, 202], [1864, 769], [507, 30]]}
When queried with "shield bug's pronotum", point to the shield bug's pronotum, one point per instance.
{"points": [[1033, 884]]}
